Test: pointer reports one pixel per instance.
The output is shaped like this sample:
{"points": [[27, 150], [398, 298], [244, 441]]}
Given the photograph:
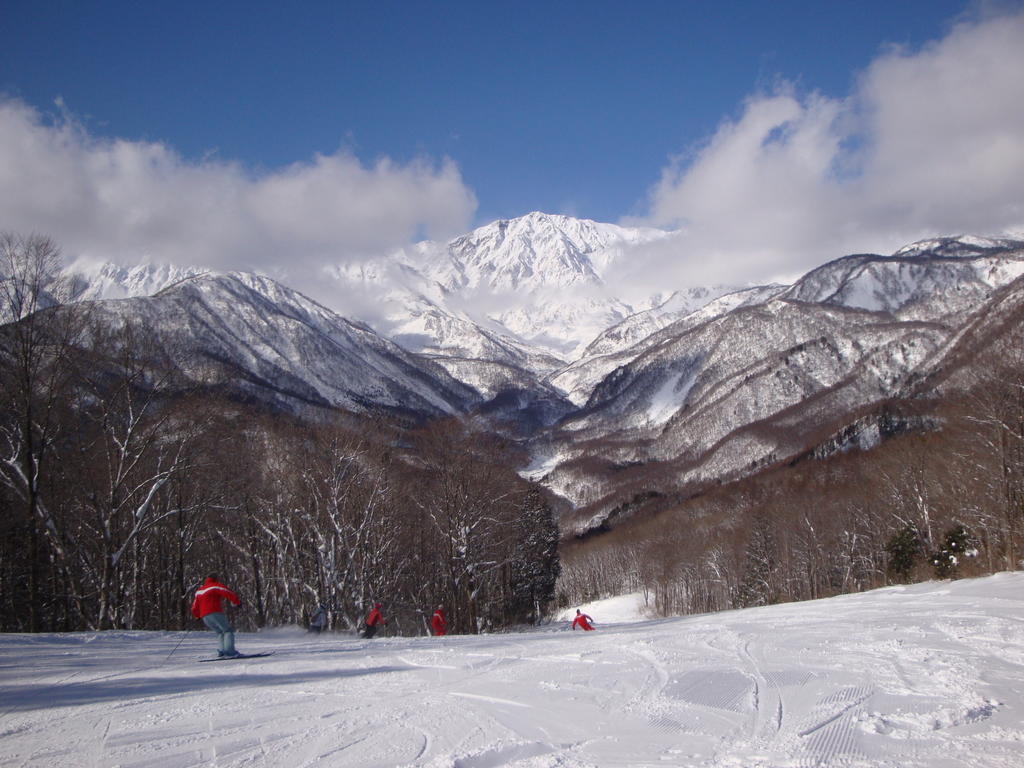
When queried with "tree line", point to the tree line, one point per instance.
{"points": [[125, 481]]}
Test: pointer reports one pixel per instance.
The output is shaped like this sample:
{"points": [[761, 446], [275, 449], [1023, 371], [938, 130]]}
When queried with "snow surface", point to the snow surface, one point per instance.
{"points": [[925, 675], [670, 397], [613, 610]]}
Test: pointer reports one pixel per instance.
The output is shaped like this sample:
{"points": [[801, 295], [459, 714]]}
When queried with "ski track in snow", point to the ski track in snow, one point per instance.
{"points": [[924, 676]]}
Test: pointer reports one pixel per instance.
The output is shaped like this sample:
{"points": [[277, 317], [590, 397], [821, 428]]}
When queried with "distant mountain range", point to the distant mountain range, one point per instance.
{"points": [[513, 322]]}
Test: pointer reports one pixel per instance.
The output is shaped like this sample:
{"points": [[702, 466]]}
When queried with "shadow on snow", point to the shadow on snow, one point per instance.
{"points": [[25, 698]]}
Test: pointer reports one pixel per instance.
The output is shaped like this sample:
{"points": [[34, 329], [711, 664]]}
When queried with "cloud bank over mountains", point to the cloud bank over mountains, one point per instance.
{"points": [[927, 142], [131, 200]]}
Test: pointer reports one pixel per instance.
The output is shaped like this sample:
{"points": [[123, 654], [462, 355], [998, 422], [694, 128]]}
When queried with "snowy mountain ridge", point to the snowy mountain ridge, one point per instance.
{"points": [[713, 381], [525, 293], [925, 280], [282, 347], [104, 280], [716, 395]]}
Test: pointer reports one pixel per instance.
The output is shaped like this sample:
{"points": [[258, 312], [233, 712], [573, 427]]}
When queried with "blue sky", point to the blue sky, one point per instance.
{"points": [[559, 106], [464, 112]]}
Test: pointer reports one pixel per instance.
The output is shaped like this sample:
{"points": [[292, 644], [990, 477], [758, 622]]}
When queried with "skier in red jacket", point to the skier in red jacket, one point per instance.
{"points": [[439, 623], [374, 620], [583, 621], [208, 605]]}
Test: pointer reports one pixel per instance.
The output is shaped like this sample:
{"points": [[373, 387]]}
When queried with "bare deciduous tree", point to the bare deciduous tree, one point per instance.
{"points": [[36, 347]]}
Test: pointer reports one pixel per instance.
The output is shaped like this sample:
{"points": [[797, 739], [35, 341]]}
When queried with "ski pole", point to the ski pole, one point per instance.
{"points": [[187, 630]]}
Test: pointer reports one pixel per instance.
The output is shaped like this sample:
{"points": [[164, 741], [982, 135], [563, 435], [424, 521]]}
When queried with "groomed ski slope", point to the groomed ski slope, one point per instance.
{"points": [[926, 675]]}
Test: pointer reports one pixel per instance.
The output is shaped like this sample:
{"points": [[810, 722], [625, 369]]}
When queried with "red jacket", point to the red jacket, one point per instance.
{"points": [[439, 623], [375, 617], [583, 621], [210, 598]]}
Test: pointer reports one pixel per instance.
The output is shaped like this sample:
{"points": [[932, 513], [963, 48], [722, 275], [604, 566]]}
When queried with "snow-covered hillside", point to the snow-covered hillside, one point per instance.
{"points": [[935, 280], [626, 341], [278, 345], [924, 676], [747, 379]]}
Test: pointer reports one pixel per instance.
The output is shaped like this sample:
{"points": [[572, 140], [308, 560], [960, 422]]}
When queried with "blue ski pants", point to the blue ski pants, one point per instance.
{"points": [[218, 622]]}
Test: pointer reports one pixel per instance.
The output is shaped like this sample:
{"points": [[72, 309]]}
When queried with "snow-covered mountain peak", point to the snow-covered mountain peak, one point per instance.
{"points": [[960, 246], [106, 280], [540, 250], [536, 281]]}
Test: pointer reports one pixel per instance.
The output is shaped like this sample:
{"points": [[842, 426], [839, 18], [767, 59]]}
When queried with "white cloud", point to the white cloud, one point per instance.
{"points": [[929, 142], [130, 201]]}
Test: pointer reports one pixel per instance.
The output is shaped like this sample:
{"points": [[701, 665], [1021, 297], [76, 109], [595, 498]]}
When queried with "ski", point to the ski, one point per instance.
{"points": [[240, 656]]}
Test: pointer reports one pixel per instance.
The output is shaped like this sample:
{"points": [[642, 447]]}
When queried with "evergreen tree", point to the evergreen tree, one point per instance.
{"points": [[903, 550], [761, 563], [536, 568]]}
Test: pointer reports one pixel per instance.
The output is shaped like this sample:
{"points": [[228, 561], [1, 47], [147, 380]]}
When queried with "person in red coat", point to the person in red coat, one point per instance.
{"points": [[208, 605], [583, 621], [373, 621], [439, 623]]}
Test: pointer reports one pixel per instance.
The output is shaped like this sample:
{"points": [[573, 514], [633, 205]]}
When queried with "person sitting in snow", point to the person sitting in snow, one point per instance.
{"points": [[438, 622], [208, 606], [585, 622], [374, 620]]}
